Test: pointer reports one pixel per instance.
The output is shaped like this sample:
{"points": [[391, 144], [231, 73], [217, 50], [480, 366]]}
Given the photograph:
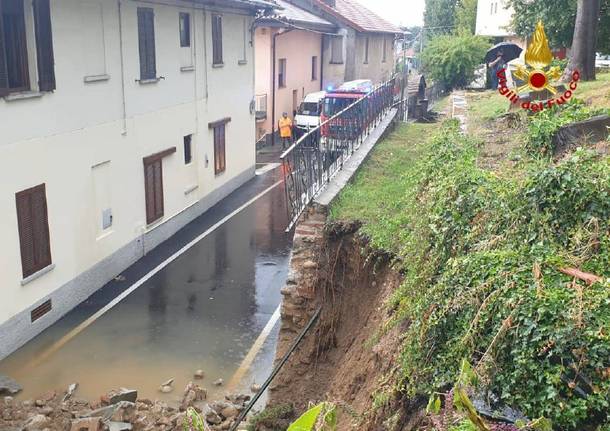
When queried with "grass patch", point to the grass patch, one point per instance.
{"points": [[375, 197]]}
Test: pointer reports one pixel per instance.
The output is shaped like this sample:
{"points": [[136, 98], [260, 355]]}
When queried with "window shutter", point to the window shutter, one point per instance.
{"points": [[157, 167], [153, 190], [217, 39], [3, 69], [33, 225], [149, 192], [146, 42], [44, 45]]}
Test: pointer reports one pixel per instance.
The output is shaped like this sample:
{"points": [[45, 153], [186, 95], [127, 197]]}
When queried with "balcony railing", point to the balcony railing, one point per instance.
{"points": [[311, 162]]}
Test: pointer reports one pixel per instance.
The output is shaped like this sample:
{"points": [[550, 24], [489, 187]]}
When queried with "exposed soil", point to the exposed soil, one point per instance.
{"points": [[346, 360]]}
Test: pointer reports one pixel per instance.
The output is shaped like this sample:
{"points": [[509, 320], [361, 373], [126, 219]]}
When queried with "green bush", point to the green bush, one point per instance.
{"points": [[452, 59], [482, 255], [543, 125]]}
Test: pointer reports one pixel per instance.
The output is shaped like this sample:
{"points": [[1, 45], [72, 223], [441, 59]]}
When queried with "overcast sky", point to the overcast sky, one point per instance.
{"points": [[401, 12]]}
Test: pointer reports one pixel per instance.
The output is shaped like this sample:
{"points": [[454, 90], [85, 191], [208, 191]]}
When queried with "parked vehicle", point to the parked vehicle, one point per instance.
{"points": [[602, 61], [308, 114], [340, 99]]}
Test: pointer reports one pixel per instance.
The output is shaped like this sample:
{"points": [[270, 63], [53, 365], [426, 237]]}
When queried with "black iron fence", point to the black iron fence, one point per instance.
{"points": [[311, 162]]}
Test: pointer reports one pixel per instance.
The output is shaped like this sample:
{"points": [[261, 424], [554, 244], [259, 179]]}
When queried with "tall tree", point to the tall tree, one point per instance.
{"points": [[466, 16], [559, 17], [439, 17], [582, 57]]}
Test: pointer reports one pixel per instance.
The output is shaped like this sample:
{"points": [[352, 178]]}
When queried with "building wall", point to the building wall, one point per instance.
{"points": [[297, 47], [376, 68], [493, 18], [78, 142], [354, 66], [263, 74]]}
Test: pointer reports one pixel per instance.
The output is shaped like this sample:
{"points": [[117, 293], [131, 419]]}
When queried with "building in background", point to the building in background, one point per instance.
{"points": [[494, 20], [363, 47], [121, 121], [288, 58]]}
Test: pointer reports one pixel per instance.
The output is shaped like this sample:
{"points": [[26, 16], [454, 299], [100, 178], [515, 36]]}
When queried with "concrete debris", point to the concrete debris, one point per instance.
{"points": [[122, 394], [71, 389], [199, 374], [9, 386], [219, 382], [87, 424]]}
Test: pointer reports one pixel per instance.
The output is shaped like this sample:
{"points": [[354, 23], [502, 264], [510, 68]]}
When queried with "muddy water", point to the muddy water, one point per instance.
{"points": [[203, 311]]}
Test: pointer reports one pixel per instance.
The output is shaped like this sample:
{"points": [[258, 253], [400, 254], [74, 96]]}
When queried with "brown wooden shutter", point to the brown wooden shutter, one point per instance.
{"points": [[146, 41], [33, 227], [220, 162], [44, 45], [153, 189], [4, 90]]}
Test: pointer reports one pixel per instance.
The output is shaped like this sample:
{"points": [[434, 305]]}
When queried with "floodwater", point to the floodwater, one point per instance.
{"points": [[203, 311]]}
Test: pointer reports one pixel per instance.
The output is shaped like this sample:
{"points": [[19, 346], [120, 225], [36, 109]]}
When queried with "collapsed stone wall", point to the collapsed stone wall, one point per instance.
{"points": [[346, 355]]}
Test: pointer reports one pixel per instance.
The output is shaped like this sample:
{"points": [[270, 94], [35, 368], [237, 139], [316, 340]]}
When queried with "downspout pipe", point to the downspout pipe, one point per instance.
{"points": [[121, 52], [322, 62], [273, 80]]}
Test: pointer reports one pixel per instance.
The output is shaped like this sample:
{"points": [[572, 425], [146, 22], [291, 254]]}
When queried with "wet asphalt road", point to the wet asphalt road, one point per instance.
{"points": [[203, 311]]}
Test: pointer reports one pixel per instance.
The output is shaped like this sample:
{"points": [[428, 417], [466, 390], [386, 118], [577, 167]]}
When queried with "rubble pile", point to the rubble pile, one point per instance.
{"points": [[118, 410]]}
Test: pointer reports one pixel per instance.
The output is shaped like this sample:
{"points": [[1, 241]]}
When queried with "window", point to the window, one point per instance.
{"points": [[366, 50], [153, 189], [185, 29], [281, 76], [14, 65], [496, 9], [219, 130], [146, 40], [244, 56], [217, 39], [188, 151], [384, 54], [491, 12], [314, 68], [32, 220], [336, 49]]}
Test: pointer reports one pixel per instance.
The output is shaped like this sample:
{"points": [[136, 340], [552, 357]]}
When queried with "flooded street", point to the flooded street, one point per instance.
{"points": [[204, 310]]}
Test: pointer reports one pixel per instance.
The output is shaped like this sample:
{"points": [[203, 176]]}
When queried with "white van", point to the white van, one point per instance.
{"points": [[308, 114]]}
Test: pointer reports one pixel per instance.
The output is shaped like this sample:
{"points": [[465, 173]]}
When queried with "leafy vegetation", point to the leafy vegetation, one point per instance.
{"points": [[559, 17], [543, 126], [452, 60], [321, 417], [483, 254]]}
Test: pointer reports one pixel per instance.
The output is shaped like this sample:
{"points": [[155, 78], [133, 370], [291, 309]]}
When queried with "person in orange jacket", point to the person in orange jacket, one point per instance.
{"points": [[285, 126]]}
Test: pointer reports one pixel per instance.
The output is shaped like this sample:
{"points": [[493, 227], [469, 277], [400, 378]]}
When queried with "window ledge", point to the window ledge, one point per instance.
{"points": [[187, 68], [242, 62], [336, 62], [37, 275], [96, 78], [148, 81], [23, 96], [190, 189], [218, 65]]}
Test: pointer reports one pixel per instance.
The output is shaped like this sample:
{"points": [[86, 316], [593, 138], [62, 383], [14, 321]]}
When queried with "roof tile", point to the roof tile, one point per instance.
{"points": [[362, 17]]}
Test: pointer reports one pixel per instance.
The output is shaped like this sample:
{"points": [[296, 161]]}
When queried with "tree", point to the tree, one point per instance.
{"points": [[559, 17], [439, 16], [466, 16], [582, 57], [452, 59]]}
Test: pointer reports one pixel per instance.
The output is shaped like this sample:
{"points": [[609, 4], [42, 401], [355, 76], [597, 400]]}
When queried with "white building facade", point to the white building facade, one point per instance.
{"points": [[494, 20], [120, 122]]}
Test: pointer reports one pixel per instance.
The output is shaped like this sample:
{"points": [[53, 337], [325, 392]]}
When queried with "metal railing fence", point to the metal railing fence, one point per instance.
{"points": [[310, 163]]}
